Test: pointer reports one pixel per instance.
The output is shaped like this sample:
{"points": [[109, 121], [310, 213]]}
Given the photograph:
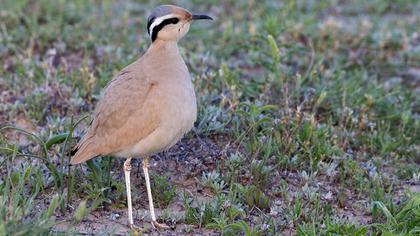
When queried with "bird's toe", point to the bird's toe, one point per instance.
{"points": [[158, 225], [135, 228]]}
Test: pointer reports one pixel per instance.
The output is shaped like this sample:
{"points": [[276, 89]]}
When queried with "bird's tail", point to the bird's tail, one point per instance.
{"points": [[83, 151]]}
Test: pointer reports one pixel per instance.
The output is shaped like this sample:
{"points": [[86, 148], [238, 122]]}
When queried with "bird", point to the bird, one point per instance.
{"points": [[148, 106]]}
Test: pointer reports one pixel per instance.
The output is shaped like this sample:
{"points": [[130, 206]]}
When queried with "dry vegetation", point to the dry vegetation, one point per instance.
{"points": [[308, 119]]}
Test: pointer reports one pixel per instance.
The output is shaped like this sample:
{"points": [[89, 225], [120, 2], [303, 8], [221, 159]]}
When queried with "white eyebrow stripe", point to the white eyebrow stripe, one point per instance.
{"points": [[159, 20]]}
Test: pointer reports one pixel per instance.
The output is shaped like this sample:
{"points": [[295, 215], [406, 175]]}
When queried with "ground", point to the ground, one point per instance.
{"points": [[308, 119]]}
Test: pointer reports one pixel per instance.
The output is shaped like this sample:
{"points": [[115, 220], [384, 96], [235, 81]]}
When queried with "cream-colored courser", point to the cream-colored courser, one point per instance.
{"points": [[149, 105]]}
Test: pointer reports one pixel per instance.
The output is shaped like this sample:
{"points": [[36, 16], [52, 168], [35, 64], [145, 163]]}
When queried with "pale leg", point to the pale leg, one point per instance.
{"points": [[149, 195], [127, 169]]}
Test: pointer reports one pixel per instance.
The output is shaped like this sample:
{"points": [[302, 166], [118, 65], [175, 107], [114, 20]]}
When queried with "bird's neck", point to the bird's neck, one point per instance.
{"points": [[165, 48]]}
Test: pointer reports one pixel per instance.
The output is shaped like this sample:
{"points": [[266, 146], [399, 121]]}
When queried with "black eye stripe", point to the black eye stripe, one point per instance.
{"points": [[149, 23], [174, 20], [160, 26]]}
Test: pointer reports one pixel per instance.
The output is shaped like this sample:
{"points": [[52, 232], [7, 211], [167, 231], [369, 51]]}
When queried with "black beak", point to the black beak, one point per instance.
{"points": [[201, 17]]}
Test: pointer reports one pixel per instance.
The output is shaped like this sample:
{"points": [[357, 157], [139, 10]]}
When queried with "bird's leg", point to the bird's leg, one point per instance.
{"points": [[127, 169], [149, 195]]}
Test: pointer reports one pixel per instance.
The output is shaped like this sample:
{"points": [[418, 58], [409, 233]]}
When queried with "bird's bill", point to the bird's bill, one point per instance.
{"points": [[201, 17]]}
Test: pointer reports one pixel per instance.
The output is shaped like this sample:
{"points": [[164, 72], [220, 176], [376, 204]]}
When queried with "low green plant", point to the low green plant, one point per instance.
{"points": [[405, 220], [100, 184], [58, 177], [36, 105], [234, 165], [17, 204], [261, 173], [253, 197], [162, 190], [242, 228], [203, 213]]}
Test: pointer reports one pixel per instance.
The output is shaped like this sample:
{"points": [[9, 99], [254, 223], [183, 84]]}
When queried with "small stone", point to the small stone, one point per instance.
{"points": [[328, 196], [115, 216]]}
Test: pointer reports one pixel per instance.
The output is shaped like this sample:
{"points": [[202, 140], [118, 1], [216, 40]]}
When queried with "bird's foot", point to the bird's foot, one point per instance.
{"points": [[156, 224], [136, 229]]}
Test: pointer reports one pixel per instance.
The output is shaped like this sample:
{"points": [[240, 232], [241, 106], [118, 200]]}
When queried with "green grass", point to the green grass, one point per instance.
{"points": [[311, 106]]}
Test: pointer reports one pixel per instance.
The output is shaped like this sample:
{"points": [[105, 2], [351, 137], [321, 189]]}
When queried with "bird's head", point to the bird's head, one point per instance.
{"points": [[170, 23]]}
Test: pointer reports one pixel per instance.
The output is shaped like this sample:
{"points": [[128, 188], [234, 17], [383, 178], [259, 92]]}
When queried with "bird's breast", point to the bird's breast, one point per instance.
{"points": [[178, 106], [182, 105]]}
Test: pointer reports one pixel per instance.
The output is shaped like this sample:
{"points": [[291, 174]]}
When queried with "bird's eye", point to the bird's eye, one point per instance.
{"points": [[174, 20]]}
